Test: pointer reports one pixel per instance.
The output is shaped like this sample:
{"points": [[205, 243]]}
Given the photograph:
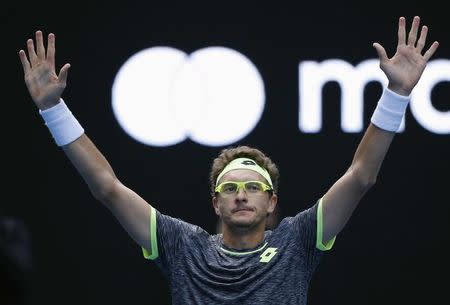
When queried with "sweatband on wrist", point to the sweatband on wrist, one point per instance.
{"points": [[390, 110], [63, 126]]}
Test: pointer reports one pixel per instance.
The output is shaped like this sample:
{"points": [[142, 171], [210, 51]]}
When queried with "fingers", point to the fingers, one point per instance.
{"points": [[422, 38], [51, 50], [25, 63], [40, 46], [413, 32], [31, 53], [401, 31], [62, 77], [381, 52], [431, 51], [39, 54]]}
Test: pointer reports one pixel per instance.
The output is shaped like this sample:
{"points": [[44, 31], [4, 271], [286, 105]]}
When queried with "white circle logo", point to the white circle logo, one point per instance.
{"points": [[214, 96]]}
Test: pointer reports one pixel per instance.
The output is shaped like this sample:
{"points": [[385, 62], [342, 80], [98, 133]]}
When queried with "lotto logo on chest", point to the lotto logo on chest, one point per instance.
{"points": [[267, 255]]}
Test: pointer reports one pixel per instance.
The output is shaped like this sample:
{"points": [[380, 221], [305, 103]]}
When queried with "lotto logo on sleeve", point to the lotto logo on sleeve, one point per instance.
{"points": [[162, 96]]}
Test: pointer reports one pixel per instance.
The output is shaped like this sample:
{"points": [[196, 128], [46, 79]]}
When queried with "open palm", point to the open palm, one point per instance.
{"points": [[404, 69], [44, 85]]}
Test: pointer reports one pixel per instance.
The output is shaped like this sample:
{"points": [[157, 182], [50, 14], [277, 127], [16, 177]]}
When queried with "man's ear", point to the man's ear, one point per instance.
{"points": [[273, 200], [215, 205]]}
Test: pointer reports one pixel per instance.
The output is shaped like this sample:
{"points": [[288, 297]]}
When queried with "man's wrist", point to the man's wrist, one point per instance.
{"points": [[61, 123], [390, 110]]}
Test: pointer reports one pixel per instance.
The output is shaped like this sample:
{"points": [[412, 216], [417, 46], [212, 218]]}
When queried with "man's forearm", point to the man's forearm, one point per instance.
{"points": [[370, 154], [91, 165]]}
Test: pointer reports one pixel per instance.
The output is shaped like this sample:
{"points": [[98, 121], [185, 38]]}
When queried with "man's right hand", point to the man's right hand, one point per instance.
{"points": [[44, 86]]}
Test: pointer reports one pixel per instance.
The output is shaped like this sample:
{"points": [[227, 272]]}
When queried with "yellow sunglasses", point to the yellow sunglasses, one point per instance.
{"points": [[232, 187]]}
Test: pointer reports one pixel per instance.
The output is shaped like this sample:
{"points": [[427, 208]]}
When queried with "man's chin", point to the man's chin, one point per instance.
{"points": [[242, 223], [242, 220]]}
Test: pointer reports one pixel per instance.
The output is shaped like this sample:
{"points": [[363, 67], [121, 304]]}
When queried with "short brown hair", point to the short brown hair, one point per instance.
{"points": [[242, 151]]}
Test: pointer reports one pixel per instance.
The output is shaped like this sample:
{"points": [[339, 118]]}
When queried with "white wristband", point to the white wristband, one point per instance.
{"points": [[390, 110], [63, 126]]}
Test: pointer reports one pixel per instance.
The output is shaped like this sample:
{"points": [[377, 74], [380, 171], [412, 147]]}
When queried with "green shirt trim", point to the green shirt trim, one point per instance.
{"points": [[153, 254], [243, 253], [319, 236]]}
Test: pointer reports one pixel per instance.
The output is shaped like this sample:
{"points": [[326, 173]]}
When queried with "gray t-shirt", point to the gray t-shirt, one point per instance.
{"points": [[202, 270]]}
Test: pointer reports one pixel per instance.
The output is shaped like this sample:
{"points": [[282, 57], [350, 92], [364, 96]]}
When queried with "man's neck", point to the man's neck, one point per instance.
{"points": [[242, 239]]}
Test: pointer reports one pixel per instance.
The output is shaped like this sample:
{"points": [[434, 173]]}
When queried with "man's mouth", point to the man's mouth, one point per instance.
{"points": [[242, 209]]}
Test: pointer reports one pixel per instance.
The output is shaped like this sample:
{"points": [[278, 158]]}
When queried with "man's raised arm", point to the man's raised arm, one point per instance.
{"points": [[403, 71], [45, 88]]}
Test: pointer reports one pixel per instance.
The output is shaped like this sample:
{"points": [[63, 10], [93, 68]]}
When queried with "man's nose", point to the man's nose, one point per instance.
{"points": [[241, 194]]}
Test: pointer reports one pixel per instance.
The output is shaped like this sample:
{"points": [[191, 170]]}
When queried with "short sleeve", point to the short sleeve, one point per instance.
{"points": [[319, 235], [169, 237]]}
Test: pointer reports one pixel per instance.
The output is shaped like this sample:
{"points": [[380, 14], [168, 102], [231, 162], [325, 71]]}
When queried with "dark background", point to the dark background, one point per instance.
{"points": [[393, 250]]}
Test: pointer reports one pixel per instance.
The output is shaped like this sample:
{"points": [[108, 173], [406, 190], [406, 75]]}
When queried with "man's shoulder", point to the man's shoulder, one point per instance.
{"points": [[164, 220]]}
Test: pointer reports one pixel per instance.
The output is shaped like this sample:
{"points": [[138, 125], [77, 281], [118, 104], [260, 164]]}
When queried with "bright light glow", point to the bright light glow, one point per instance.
{"points": [[161, 96], [352, 80], [421, 104], [215, 96]]}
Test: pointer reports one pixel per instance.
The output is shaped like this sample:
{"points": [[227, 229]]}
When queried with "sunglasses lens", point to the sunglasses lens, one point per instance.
{"points": [[229, 187], [253, 187]]}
